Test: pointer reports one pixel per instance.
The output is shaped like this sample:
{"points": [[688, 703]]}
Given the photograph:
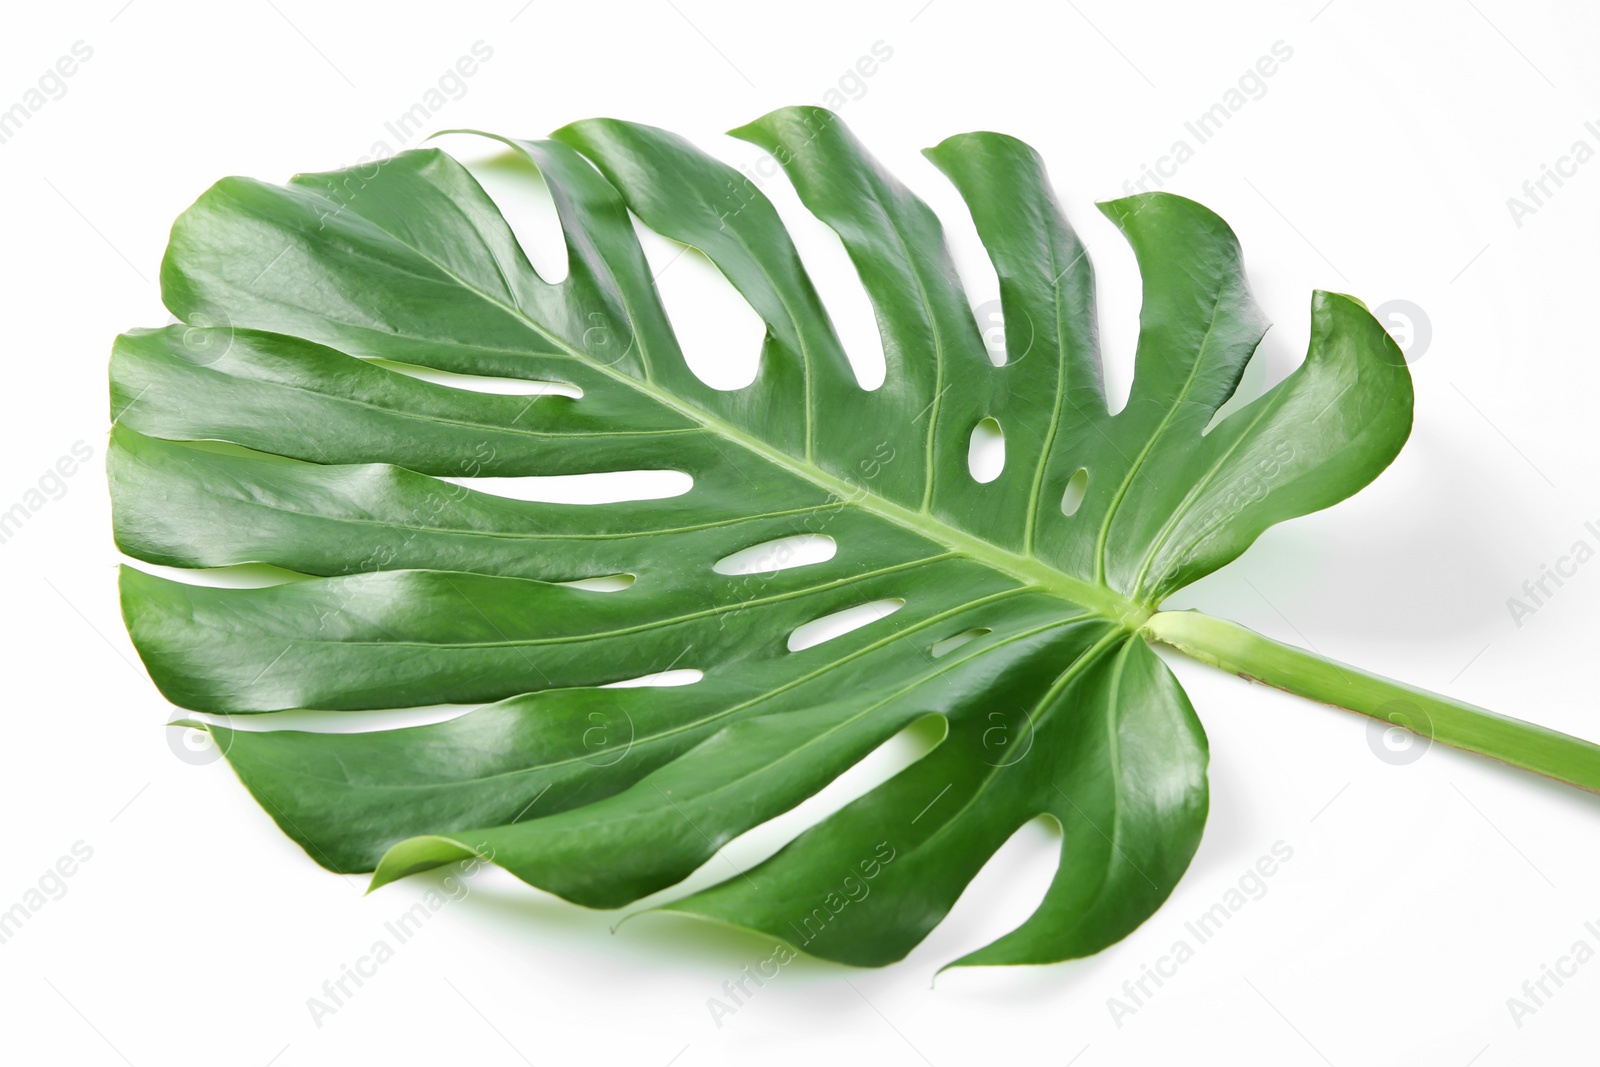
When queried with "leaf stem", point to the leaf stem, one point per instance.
{"points": [[1452, 722]]}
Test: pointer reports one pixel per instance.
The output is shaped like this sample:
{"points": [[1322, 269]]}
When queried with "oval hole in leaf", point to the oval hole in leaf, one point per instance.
{"points": [[234, 576], [1077, 485], [320, 721], [480, 383], [950, 644], [608, 487], [840, 623], [986, 452], [661, 679], [769, 557], [603, 583]]}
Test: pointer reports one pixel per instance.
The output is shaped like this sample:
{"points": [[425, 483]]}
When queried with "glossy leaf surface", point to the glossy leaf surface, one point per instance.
{"points": [[283, 421]]}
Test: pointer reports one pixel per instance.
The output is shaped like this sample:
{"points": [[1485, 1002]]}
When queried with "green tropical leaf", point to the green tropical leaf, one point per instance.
{"points": [[283, 420]]}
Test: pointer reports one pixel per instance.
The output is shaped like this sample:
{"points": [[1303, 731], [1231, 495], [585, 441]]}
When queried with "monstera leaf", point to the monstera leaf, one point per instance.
{"points": [[283, 420]]}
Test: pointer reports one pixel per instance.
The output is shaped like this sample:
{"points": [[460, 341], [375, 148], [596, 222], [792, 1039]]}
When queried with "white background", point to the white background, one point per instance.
{"points": [[1379, 160]]}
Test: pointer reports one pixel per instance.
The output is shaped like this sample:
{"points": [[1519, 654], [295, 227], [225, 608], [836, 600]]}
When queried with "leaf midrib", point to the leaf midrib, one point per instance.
{"points": [[1097, 597]]}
